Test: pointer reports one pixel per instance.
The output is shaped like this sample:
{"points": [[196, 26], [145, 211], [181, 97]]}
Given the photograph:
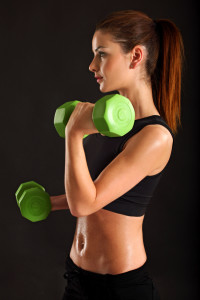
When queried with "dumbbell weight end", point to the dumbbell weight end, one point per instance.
{"points": [[33, 201]]}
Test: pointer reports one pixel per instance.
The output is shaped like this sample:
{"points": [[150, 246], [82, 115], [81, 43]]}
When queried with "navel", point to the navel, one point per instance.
{"points": [[80, 243]]}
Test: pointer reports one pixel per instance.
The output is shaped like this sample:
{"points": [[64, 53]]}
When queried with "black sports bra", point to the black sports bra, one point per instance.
{"points": [[101, 150]]}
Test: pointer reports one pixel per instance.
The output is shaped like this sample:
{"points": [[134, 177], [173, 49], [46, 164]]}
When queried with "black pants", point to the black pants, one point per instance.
{"points": [[86, 285]]}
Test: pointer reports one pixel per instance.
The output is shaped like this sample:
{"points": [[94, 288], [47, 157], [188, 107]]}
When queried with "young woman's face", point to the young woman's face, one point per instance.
{"points": [[109, 63]]}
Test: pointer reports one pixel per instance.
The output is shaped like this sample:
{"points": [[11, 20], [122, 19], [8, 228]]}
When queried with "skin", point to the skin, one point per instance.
{"points": [[107, 242]]}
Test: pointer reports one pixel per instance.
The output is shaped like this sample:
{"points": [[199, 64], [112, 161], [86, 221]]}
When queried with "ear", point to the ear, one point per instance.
{"points": [[136, 56]]}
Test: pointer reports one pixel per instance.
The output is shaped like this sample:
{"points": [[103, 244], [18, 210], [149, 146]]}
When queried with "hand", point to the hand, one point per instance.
{"points": [[80, 121]]}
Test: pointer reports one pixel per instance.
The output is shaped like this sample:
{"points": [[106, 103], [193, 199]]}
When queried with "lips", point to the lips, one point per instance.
{"points": [[99, 79]]}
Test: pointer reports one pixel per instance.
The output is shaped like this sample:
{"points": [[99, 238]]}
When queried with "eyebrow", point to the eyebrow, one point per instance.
{"points": [[99, 47]]}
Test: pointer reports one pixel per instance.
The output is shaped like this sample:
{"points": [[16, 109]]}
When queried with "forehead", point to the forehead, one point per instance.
{"points": [[101, 39]]}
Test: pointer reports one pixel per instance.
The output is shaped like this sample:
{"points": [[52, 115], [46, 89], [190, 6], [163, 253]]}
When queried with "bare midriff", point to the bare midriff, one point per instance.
{"points": [[108, 243]]}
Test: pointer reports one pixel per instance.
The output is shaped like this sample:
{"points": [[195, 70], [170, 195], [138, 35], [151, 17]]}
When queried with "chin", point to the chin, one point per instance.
{"points": [[105, 89]]}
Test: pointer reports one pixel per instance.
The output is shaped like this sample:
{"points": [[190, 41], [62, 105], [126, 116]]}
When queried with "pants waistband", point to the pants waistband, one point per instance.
{"points": [[136, 274]]}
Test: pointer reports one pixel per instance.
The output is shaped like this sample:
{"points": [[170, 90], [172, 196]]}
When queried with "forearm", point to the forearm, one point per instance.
{"points": [[59, 202], [79, 186]]}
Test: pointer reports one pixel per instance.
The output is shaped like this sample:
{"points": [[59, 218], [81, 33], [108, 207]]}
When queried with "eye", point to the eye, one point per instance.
{"points": [[101, 54]]}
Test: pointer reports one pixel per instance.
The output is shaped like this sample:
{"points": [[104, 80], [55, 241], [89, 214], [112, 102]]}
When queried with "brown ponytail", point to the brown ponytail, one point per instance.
{"points": [[164, 62]]}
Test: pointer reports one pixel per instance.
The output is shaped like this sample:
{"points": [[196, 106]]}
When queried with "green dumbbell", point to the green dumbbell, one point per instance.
{"points": [[113, 115], [33, 201]]}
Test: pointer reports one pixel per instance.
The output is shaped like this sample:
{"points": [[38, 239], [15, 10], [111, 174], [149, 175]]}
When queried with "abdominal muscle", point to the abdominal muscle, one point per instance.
{"points": [[108, 243]]}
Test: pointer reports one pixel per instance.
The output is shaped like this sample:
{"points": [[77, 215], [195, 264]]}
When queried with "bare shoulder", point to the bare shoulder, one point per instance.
{"points": [[154, 141], [153, 134], [159, 133]]}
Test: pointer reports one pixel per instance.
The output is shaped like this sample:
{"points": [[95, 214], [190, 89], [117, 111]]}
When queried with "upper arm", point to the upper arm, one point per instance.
{"points": [[144, 153]]}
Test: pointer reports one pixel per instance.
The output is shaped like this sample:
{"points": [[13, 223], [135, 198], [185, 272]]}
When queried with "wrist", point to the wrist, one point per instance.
{"points": [[72, 134], [52, 200], [59, 202]]}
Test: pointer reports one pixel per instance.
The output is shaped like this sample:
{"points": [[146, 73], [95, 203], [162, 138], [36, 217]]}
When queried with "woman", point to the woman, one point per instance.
{"points": [[109, 181]]}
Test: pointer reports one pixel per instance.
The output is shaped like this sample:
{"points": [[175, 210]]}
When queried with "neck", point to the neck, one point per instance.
{"points": [[141, 98]]}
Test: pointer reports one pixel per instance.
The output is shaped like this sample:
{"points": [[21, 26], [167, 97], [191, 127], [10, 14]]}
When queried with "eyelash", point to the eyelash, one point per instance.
{"points": [[101, 53]]}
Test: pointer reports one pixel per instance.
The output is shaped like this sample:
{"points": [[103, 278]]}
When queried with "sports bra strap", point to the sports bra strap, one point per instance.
{"points": [[150, 120], [139, 124]]}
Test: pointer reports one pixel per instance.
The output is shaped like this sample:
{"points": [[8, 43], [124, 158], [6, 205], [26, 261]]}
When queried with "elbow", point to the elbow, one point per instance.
{"points": [[78, 215], [82, 211], [71, 208], [74, 213], [77, 212]]}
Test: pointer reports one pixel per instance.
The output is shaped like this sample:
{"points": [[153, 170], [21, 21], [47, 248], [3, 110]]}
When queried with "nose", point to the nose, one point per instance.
{"points": [[93, 67]]}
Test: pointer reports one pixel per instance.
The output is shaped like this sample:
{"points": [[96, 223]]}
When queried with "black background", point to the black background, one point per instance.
{"points": [[45, 54]]}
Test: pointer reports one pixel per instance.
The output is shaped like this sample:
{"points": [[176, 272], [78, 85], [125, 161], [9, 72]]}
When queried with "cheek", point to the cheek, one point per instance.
{"points": [[107, 68], [114, 68]]}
